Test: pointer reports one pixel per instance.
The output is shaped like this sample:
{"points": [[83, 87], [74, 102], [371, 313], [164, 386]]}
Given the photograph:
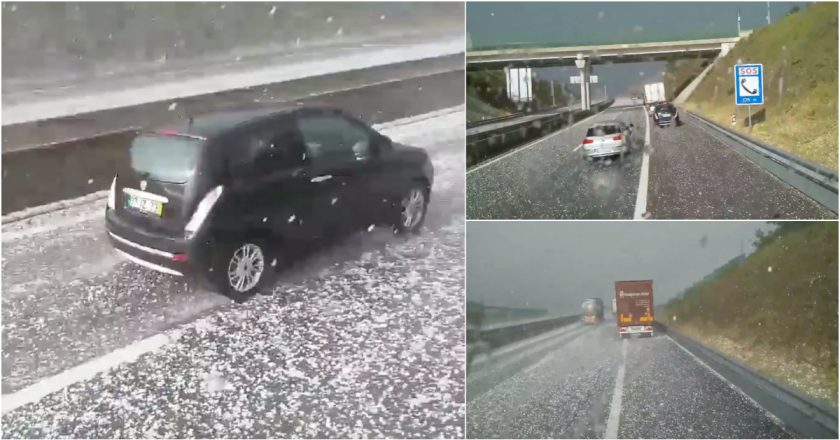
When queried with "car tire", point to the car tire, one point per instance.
{"points": [[411, 209], [252, 257]]}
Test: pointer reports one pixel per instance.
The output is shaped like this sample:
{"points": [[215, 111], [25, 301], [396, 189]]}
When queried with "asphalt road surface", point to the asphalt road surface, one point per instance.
{"points": [[691, 175], [563, 385], [362, 339]]}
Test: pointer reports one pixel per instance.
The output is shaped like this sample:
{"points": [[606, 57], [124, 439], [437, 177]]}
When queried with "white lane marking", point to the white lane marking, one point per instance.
{"points": [[577, 148], [615, 406], [53, 206], [641, 194], [82, 372], [767, 413], [544, 138]]}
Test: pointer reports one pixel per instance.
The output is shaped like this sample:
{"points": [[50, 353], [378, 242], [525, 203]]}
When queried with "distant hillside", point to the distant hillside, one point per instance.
{"points": [[776, 310], [799, 54]]}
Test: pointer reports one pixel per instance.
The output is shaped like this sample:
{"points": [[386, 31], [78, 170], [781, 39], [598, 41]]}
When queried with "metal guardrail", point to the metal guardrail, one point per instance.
{"points": [[497, 336], [812, 179], [473, 124], [806, 416], [484, 145]]}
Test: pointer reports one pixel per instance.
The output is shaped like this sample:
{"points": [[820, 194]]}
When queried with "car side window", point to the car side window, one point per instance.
{"points": [[334, 139], [266, 149]]}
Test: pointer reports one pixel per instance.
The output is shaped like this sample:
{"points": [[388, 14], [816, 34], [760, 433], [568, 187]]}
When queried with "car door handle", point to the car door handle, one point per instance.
{"points": [[323, 178]]}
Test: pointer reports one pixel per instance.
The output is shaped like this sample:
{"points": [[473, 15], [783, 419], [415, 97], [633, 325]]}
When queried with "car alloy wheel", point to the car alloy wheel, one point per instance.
{"points": [[246, 267], [413, 205]]}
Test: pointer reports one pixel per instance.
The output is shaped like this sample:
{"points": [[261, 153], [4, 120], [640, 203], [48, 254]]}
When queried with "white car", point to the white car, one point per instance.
{"points": [[608, 138]]}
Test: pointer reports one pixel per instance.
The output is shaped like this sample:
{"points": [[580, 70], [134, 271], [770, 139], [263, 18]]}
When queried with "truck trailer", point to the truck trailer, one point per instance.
{"points": [[634, 307], [654, 93]]}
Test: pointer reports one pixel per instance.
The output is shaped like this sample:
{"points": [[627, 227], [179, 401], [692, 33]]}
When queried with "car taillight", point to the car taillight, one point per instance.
{"points": [[587, 141], [649, 328], [202, 211], [617, 137], [112, 195]]}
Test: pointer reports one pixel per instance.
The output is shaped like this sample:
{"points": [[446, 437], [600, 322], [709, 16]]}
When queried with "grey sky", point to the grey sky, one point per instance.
{"points": [[573, 23], [555, 265]]}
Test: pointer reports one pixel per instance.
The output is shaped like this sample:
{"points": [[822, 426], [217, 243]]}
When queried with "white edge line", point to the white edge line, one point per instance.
{"points": [[731, 385], [641, 194], [615, 405], [35, 230], [546, 137], [84, 371]]}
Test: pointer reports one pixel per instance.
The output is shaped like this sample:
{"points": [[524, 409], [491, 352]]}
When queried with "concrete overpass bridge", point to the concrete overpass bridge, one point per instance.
{"points": [[598, 54], [583, 57]]}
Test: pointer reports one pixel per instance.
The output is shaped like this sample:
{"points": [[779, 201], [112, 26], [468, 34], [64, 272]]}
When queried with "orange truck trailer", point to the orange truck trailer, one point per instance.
{"points": [[634, 307]]}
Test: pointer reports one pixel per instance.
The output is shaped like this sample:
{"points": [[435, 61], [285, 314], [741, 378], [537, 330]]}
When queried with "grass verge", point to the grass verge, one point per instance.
{"points": [[799, 54], [776, 310]]}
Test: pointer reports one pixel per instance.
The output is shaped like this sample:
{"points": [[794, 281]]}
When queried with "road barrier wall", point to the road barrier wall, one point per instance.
{"points": [[485, 145]]}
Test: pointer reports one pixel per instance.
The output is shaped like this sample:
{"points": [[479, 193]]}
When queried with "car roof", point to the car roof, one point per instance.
{"points": [[607, 124], [212, 124]]}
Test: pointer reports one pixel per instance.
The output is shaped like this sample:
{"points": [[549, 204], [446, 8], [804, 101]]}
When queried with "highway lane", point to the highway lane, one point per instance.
{"points": [[362, 339], [566, 389], [691, 176], [548, 180]]}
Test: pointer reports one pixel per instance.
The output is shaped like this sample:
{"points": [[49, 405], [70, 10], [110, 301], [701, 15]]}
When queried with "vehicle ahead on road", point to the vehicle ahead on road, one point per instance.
{"points": [[593, 311], [634, 307], [608, 138], [226, 197], [665, 113]]}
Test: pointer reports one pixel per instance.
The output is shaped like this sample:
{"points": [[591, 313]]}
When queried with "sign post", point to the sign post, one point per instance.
{"points": [[749, 87]]}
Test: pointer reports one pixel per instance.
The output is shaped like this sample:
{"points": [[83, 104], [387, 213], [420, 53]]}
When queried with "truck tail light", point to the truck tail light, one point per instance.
{"points": [[202, 211]]}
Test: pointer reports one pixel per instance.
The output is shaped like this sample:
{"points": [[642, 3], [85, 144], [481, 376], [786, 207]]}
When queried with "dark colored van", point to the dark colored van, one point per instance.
{"points": [[228, 197]]}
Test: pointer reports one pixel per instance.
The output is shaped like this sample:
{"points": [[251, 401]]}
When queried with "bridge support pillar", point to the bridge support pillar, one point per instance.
{"points": [[585, 67]]}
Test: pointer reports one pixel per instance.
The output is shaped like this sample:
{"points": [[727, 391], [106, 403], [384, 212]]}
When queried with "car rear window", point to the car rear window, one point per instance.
{"points": [[169, 159], [603, 130]]}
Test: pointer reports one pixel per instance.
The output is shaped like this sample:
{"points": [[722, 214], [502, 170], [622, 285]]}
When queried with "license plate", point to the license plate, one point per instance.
{"points": [[665, 115], [143, 204]]}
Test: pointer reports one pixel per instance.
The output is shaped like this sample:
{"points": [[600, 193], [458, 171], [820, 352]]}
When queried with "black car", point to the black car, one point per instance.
{"points": [[227, 197], [665, 113]]}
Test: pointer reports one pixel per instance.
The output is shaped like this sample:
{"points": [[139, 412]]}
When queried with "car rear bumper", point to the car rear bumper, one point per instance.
{"points": [[605, 151], [636, 330], [147, 257], [179, 257]]}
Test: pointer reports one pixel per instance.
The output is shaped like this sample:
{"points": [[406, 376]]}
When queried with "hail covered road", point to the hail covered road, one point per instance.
{"points": [[362, 339], [688, 174], [581, 381]]}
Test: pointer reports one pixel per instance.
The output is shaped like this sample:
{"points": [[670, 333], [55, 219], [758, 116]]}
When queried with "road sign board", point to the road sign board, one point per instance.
{"points": [[593, 79], [749, 84]]}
